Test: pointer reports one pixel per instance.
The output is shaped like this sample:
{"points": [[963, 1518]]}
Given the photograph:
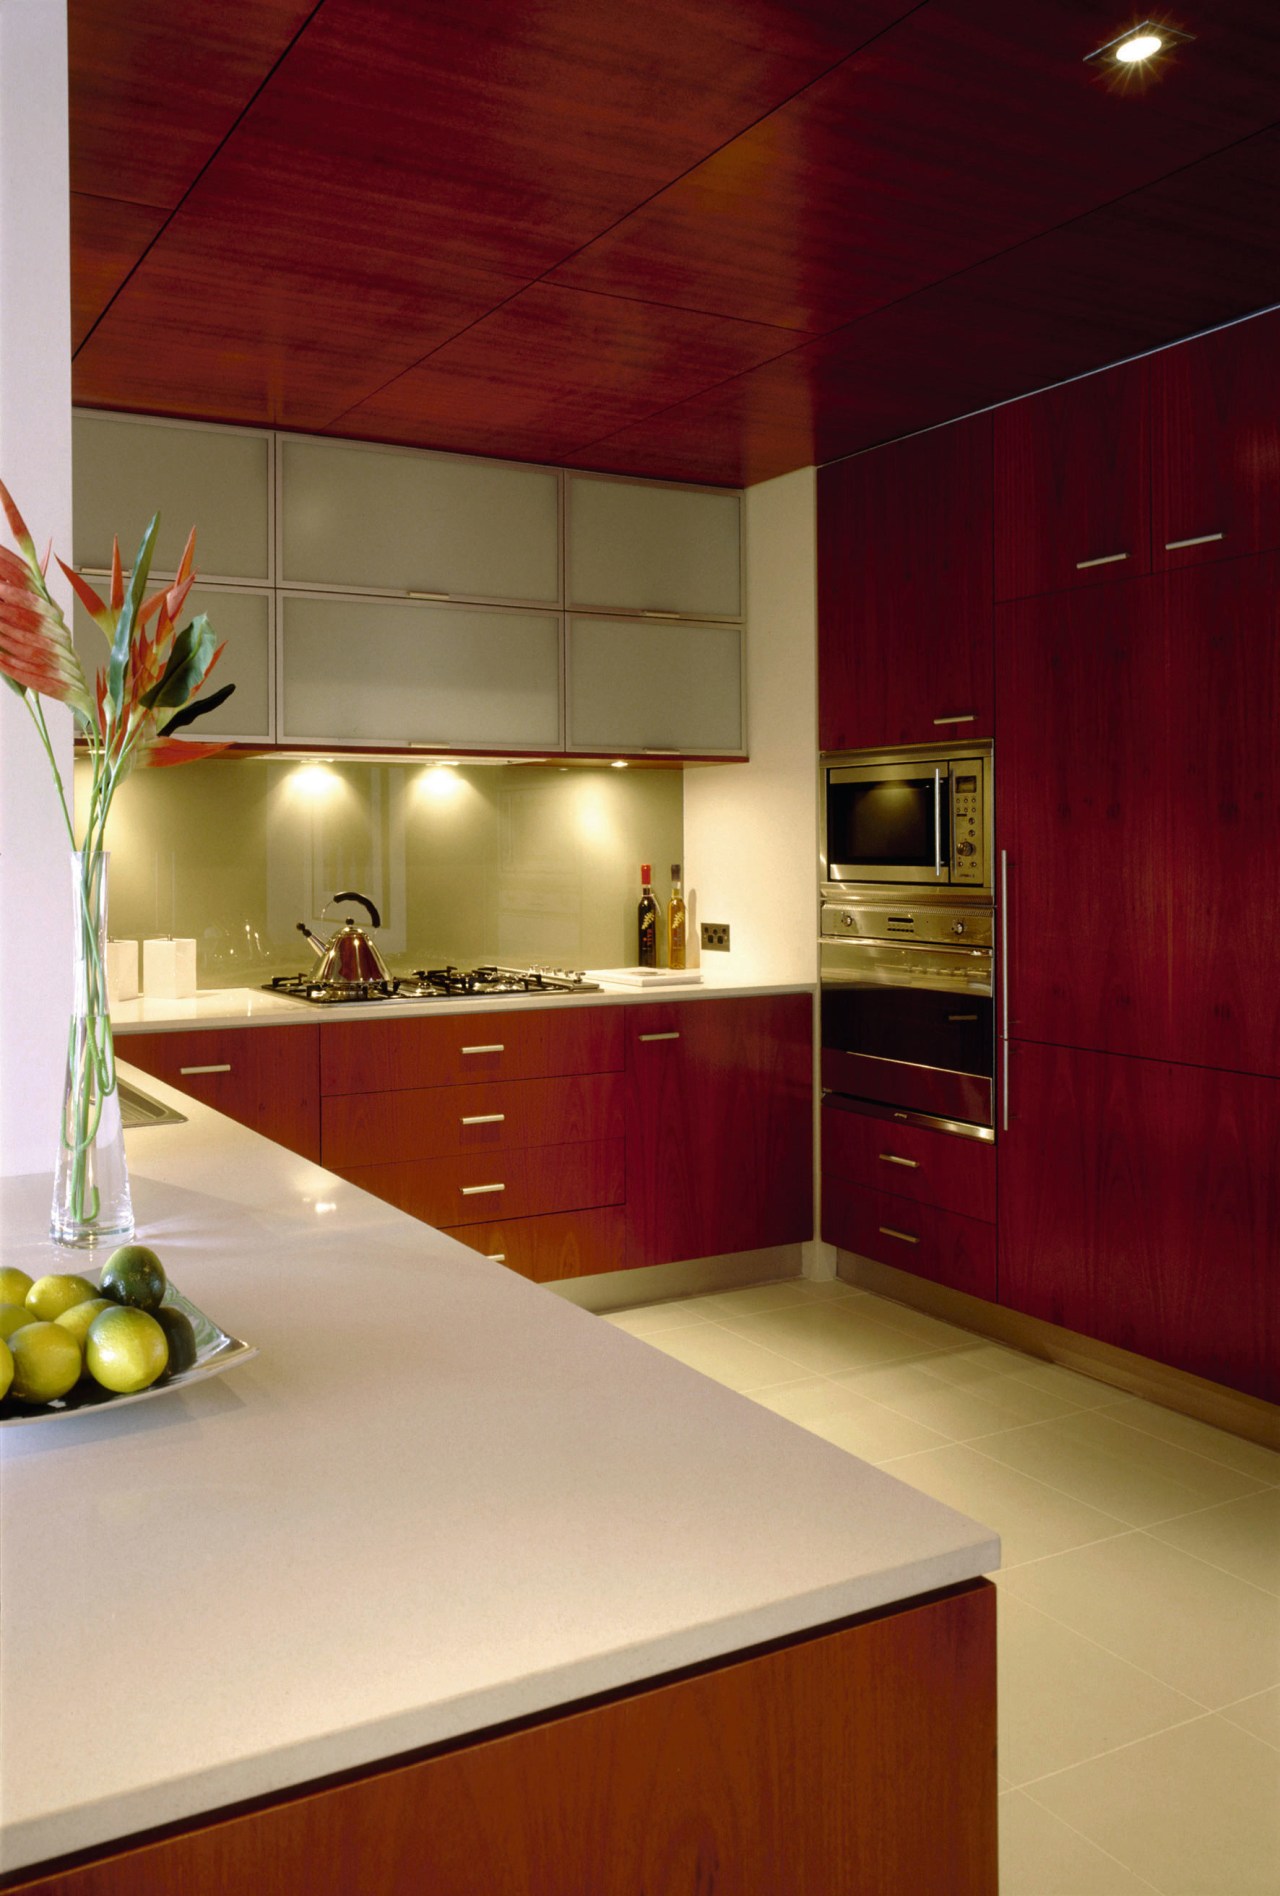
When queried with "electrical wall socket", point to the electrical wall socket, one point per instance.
{"points": [[715, 935]]}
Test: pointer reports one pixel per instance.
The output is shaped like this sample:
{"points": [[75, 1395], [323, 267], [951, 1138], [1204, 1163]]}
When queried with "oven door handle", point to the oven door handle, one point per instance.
{"points": [[937, 822]]}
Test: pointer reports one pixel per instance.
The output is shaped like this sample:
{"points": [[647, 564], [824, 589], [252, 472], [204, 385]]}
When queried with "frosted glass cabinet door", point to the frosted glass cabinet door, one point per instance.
{"points": [[242, 620], [124, 469], [383, 671], [634, 686], [636, 546], [358, 519]]}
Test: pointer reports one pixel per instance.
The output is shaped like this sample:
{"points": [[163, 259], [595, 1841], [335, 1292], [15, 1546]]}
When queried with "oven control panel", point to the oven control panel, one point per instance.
{"points": [[966, 827]]}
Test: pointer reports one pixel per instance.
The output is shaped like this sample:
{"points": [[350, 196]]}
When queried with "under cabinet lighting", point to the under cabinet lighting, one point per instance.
{"points": [[1138, 44], [618, 763]]}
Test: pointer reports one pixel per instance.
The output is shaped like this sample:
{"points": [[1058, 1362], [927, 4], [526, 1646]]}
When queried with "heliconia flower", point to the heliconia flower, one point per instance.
{"points": [[36, 650]]}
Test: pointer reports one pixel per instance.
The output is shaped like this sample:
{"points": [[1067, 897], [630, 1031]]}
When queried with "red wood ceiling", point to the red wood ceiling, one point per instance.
{"points": [[708, 239]]}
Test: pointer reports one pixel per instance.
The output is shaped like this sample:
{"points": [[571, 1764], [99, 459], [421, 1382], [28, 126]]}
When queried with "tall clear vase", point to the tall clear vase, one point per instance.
{"points": [[91, 1202]]}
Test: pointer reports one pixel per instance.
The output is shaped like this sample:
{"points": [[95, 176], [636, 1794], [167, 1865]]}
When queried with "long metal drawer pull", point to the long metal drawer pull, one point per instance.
{"points": [[962, 1017], [491, 1119], [964, 717], [497, 1047], [223, 1066], [904, 1237], [937, 822], [658, 1036], [1004, 989], [652, 612], [1197, 539], [411, 594], [1106, 559], [478, 1191], [496, 1257], [891, 1158]]}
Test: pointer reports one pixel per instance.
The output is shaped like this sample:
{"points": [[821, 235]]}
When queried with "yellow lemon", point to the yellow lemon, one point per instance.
{"points": [[125, 1350], [46, 1362], [80, 1316], [48, 1297], [134, 1275], [6, 1368], [14, 1285], [14, 1317]]}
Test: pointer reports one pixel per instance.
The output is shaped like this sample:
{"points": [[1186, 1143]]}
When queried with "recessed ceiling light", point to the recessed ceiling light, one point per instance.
{"points": [[1139, 44]]}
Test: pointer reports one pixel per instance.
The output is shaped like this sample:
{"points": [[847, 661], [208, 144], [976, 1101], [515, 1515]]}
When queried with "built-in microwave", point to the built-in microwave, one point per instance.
{"points": [[919, 817]]}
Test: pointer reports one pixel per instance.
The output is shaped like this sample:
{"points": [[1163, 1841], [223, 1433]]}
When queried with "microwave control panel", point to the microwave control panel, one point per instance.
{"points": [[966, 814]]}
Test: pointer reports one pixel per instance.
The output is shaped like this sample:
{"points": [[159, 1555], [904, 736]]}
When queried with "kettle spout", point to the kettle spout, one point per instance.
{"points": [[313, 938]]}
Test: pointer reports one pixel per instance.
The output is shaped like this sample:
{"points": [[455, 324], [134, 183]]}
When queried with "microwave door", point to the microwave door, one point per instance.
{"points": [[889, 823]]}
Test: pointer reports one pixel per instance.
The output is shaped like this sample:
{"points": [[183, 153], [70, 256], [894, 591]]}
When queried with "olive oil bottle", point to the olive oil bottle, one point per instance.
{"points": [[675, 921]]}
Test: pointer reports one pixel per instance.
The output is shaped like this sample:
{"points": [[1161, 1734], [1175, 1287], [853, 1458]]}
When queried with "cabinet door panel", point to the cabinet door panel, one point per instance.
{"points": [[637, 546], [1215, 472], [1083, 811], [938, 1168], [667, 688], [1072, 485], [266, 1077], [379, 1056], [457, 1191], [559, 1245], [1223, 625], [940, 1245], [242, 620], [905, 591], [1140, 1203], [431, 1122]]}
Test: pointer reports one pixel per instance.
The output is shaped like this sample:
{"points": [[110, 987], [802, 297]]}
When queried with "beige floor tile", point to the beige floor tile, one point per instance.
{"points": [[989, 1362], [1201, 1631], [1195, 1810], [810, 1399], [648, 1319], [919, 1323], [818, 1289], [750, 1299], [826, 1337], [958, 1410], [1242, 1537], [875, 1433], [1259, 1715], [1042, 1856], [733, 1360], [1136, 1477], [1250, 1458], [1063, 1699], [1031, 1519]]}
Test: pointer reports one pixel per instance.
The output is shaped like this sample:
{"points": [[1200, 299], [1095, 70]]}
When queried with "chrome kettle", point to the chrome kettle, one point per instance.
{"points": [[349, 957]]}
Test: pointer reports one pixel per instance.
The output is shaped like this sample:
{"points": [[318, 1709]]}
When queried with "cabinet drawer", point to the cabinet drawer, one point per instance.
{"points": [[266, 1077], [383, 1128], [938, 1168], [565, 1244], [381, 1056], [940, 1245], [469, 1190]]}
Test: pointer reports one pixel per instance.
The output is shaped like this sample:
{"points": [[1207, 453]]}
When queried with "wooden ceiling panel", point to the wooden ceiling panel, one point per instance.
{"points": [[556, 367], [969, 128], [107, 238]]}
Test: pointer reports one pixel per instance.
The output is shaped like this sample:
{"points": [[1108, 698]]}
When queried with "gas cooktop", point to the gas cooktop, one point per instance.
{"points": [[435, 984]]}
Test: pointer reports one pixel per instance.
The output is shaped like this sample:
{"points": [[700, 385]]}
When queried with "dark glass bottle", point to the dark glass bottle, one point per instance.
{"points": [[647, 919]]}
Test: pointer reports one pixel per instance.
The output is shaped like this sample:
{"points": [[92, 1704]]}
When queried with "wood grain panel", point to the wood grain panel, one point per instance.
{"points": [[547, 1249], [1153, 1225], [470, 1190], [380, 1056], [107, 239], [882, 1154], [271, 1084], [432, 1122], [940, 1245], [860, 1763]]}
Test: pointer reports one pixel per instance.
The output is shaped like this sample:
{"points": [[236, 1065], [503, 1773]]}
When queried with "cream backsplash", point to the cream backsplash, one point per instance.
{"points": [[513, 863]]}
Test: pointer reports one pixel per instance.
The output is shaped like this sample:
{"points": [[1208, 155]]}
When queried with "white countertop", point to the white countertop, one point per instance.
{"points": [[438, 1499], [256, 1007]]}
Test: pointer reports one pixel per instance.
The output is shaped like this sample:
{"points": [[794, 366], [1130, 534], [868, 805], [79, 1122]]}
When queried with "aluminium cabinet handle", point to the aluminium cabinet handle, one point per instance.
{"points": [[223, 1067], [1004, 989], [1197, 539], [962, 1017], [491, 1119], [496, 1047], [478, 1191], [496, 1257], [904, 1237], [1104, 559], [651, 612], [658, 1036], [648, 750], [891, 1158], [937, 822], [427, 595], [964, 717]]}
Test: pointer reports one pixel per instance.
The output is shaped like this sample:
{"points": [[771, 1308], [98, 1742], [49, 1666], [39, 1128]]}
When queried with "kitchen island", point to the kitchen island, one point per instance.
{"points": [[455, 1587]]}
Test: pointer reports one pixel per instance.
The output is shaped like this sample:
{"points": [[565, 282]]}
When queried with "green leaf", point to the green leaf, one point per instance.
{"points": [[118, 663], [189, 658], [196, 709]]}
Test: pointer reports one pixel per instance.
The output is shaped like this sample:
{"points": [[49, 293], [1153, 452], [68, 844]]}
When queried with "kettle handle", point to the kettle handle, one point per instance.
{"points": [[354, 895]]}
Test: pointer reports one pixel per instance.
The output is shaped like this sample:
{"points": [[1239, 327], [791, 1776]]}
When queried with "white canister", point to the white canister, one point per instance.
{"points": [[122, 971], [169, 967]]}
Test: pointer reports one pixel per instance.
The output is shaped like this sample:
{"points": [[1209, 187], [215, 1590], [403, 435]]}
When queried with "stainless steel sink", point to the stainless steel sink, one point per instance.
{"points": [[139, 1109]]}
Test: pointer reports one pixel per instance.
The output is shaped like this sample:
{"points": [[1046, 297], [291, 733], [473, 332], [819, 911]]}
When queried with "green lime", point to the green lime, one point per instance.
{"points": [[180, 1336], [6, 1368], [48, 1297], [80, 1316], [46, 1362], [14, 1285], [134, 1275], [14, 1317], [126, 1350]]}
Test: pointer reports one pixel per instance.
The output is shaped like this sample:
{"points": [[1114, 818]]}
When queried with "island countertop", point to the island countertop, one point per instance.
{"points": [[439, 1499]]}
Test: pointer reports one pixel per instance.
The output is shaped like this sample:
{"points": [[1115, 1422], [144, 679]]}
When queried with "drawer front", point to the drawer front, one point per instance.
{"points": [[940, 1245], [563, 1244], [380, 1056], [523, 1184], [938, 1168], [387, 1128], [265, 1077]]}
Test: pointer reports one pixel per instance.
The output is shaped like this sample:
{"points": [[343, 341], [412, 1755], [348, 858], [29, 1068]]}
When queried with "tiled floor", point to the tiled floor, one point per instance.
{"points": [[1140, 1593]]}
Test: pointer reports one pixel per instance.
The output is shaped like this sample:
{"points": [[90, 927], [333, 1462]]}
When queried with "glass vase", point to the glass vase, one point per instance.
{"points": [[91, 1202]]}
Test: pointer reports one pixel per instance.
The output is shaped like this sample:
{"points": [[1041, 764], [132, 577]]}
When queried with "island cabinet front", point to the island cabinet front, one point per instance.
{"points": [[266, 1077]]}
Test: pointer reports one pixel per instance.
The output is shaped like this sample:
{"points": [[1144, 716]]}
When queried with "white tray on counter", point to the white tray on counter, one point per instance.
{"points": [[648, 977]]}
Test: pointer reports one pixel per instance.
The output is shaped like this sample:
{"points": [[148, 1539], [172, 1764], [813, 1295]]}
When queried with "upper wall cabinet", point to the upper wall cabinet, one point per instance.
{"points": [[905, 593], [125, 468], [241, 617], [639, 546], [370, 519], [1072, 485], [665, 690], [1215, 417]]}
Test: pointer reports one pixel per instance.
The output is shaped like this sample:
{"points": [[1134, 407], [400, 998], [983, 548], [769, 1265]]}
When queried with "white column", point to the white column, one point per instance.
{"points": [[35, 464]]}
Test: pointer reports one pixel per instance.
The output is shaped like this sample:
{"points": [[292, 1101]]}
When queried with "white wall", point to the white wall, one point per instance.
{"points": [[751, 830], [35, 463]]}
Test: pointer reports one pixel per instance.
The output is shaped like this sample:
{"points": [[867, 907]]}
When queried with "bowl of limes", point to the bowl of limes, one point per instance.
{"points": [[68, 1344]]}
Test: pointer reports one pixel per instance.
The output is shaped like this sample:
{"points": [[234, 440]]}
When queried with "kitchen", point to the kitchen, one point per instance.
{"points": [[740, 821]]}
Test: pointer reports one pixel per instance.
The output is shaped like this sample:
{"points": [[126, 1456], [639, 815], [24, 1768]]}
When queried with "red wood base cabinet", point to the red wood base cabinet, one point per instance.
{"points": [[1140, 1203], [266, 1077]]}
